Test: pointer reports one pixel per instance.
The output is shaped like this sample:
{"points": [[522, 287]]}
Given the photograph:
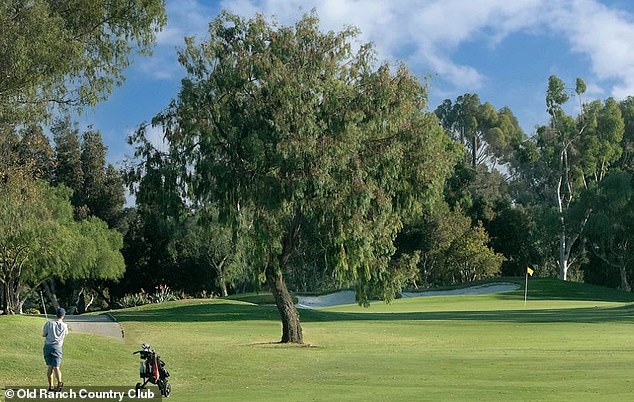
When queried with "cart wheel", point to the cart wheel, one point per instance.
{"points": [[138, 386], [167, 389]]}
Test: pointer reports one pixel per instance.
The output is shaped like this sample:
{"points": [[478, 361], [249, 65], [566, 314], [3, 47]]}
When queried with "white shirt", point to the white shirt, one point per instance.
{"points": [[55, 331]]}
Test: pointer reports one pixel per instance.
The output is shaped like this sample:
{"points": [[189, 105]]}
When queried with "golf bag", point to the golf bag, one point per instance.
{"points": [[152, 370]]}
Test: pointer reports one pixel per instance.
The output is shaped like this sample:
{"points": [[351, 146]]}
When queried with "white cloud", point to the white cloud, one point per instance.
{"points": [[604, 35], [428, 33], [185, 18], [432, 30]]}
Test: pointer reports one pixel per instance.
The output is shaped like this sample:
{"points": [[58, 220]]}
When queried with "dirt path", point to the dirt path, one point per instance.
{"points": [[347, 296], [103, 324]]}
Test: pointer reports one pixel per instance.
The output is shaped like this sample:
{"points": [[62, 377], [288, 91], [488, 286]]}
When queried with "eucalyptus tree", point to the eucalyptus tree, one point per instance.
{"points": [[288, 129], [611, 228], [573, 155], [68, 53], [488, 135]]}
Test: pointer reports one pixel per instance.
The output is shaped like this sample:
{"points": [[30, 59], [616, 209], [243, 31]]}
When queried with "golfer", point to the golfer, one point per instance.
{"points": [[54, 332]]}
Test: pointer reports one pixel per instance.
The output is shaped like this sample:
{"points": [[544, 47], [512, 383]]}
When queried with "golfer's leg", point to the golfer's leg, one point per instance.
{"points": [[58, 375], [49, 375]]}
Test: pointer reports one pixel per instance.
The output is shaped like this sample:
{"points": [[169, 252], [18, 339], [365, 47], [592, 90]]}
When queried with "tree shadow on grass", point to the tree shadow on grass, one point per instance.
{"points": [[231, 312]]}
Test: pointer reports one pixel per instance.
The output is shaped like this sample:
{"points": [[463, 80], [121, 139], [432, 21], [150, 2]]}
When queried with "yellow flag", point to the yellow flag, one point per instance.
{"points": [[529, 271]]}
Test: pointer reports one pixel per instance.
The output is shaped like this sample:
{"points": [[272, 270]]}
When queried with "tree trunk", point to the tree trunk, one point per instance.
{"points": [[291, 328], [5, 299], [2, 305], [625, 285], [220, 277], [12, 297], [77, 306], [474, 146], [49, 289], [223, 288], [563, 258]]}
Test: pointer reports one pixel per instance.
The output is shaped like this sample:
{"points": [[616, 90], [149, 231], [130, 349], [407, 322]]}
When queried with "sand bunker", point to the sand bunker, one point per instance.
{"points": [[347, 296]]}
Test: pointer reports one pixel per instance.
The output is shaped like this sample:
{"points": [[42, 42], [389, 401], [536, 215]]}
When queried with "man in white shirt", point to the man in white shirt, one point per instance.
{"points": [[54, 332]]}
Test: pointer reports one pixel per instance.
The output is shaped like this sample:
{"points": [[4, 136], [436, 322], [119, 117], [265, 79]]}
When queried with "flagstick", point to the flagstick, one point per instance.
{"points": [[526, 288]]}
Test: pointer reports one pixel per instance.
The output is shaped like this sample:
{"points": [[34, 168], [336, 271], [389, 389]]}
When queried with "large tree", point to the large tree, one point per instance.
{"points": [[68, 53], [288, 130], [572, 156]]}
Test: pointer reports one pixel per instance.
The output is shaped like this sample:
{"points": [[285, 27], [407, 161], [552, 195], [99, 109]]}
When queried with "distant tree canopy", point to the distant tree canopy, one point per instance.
{"points": [[488, 135], [44, 239], [80, 164], [39, 240], [294, 135], [68, 53]]}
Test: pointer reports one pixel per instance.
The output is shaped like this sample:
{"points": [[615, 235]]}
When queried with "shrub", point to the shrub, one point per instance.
{"points": [[162, 294], [135, 299]]}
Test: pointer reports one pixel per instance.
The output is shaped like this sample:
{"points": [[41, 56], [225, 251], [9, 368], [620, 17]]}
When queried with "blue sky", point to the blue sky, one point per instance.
{"points": [[503, 50]]}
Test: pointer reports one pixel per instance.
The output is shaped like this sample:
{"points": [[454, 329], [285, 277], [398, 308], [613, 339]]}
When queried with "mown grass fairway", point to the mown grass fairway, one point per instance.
{"points": [[571, 342]]}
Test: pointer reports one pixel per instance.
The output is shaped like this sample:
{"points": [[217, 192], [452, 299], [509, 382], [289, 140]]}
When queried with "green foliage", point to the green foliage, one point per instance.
{"points": [[488, 135], [68, 170], [626, 162], [100, 251], [39, 239], [163, 243], [451, 250], [514, 233], [555, 96], [567, 163], [133, 300], [287, 125], [207, 240], [611, 228], [162, 293], [580, 86], [34, 151], [68, 53], [98, 188]]}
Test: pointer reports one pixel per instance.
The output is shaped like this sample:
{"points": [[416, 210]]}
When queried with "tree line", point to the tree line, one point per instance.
{"points": [[296, 162]]}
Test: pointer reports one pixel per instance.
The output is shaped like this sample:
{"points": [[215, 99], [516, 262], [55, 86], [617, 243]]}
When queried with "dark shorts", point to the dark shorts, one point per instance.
{"points": [[52, 355]]}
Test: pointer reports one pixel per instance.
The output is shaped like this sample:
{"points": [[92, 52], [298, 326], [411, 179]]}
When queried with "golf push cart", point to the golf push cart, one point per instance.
{"points": [[152, 370]]}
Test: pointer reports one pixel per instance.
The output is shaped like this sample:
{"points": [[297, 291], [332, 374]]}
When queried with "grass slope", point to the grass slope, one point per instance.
{"points": [[570, 342]]}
